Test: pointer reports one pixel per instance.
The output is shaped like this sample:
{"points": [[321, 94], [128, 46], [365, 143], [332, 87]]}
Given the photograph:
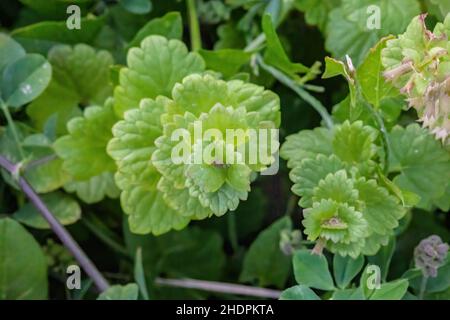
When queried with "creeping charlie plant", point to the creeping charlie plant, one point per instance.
{"points": [[162, 148]]}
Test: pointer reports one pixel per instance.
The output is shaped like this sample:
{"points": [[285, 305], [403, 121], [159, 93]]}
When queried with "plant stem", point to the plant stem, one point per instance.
{"points": [[316, 104], [220, 287], [384, 134], [59, 230], [13, 128], [423, 287], [255, 43], [196, 40], [318, 248]]}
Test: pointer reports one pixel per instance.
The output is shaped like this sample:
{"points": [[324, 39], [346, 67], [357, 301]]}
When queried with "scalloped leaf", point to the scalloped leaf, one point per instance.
{"points": [[84, 148], [354, 142], [423, 164], [199, 93], [308, 175], [306, 144], [132, 148], [95, 189], [347, 28], [80, 76], [153, 69]]}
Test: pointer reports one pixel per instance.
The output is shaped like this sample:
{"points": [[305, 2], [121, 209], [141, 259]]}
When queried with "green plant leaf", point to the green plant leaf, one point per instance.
{"points": [[306, 144], [55, 9], [370, 77], [394, 290], [275, 54], [84, 148], [348, 32], [42, 36], [383, 258], [10, 51], [132, 148], [299, 292], [63, 207], [25, 79], [80, 76], [45, 177], [312, 270], [137, 6], [348, 294], [21, 279], [345, 269], [95, 189], [226, 61], [354, 143], [316, 11], [422, 163], [148, 78], [264, 260], [308, 175], [119, 292], [169, 26]]}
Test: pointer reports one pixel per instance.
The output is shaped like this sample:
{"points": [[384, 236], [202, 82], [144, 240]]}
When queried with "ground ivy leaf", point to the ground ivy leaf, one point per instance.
{"points": [[84, 148], [299, 292], [306, 144], [131, 148], [312, 270], [264, 260], [95, 189], [354, 143], [423, 164], [21, 280], [119, 292], [347, 30], [169, 26], [63, 207], [153, 69], [25, 79], [307, 176], [80, 76]]}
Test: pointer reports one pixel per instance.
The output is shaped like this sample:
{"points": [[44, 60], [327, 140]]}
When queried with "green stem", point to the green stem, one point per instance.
{"points": [[384, 134], [232, 233], [196, 42], [13, 128], [423, 287], [316, 104]]}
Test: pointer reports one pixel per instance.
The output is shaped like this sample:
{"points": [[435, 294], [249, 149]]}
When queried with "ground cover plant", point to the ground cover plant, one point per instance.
{"points": [[119, 180]]}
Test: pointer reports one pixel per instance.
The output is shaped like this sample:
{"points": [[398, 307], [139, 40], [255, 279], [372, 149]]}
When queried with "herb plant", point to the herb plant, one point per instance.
{"points": [[345, 197]]}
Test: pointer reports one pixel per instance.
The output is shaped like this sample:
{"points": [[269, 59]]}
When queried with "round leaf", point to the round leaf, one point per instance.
{"points": [[25, 79], [23, 267]]}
